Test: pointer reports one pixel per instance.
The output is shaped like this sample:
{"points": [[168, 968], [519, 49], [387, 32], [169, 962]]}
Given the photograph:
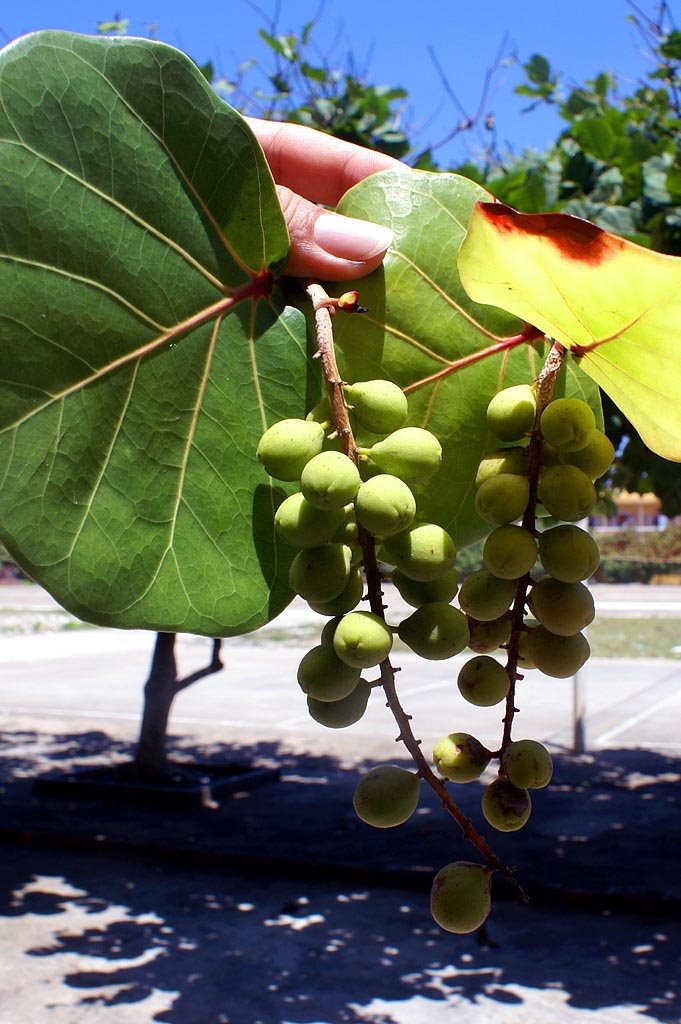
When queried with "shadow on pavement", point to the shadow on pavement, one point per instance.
{"points": [[277, 906]]}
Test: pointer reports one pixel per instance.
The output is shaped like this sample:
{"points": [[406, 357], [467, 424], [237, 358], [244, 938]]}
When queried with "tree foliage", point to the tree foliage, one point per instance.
{"points": [[616, 162]]}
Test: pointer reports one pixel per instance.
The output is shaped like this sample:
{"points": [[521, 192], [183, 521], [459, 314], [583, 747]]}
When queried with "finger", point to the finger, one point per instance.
{"points": [[328, 246], [316, 165]]}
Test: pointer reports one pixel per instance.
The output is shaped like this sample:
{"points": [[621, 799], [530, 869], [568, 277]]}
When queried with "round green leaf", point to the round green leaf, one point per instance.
{"points": [[137, 210], [421, 320]]}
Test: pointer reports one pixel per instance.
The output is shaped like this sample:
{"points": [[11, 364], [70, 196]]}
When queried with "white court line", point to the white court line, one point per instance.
{"points": [[628, 723], [121, 715]]}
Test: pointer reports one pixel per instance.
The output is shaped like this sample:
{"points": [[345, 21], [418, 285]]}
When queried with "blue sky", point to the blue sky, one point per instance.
{"points": [[390, 41]]}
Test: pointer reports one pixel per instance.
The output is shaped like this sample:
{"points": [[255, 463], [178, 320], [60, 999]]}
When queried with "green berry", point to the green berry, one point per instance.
{"points": [[460, 897], [484, 596], [435, 631], [568, 553], [386, 796], [596, 458], [510, 414], [460, 757], [486, 637], [330, 480], [304, 526], [564, 608], [509, 552], [379, 405], [505, 806], [362, 639], [502, 499], [527, 764], [348, 598], [416, 593], [557, 656], [566, 492], [567, 424], [287, 447], [339, 714], [504, 460], [412, 453], [385, 505], [424, 551], [322, 675], [483, 681], [321, 574]]}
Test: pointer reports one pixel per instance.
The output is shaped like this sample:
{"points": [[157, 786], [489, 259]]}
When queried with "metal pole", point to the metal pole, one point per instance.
{"points": [[579, 696], [578, 708]]}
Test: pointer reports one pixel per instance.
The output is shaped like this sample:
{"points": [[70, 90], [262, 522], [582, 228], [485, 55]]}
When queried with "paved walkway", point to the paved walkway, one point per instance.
{"points": [[275, 905]]}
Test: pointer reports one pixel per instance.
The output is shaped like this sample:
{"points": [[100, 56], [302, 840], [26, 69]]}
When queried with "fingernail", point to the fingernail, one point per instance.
{"points": [[350, 239]]}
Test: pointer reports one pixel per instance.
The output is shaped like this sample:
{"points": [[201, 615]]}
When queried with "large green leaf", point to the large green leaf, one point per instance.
{"points": [[135, 209], [614, 304], [421, 320]]}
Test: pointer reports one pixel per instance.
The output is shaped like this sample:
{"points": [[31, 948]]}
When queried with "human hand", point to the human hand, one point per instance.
{"points": [[310, 167]]}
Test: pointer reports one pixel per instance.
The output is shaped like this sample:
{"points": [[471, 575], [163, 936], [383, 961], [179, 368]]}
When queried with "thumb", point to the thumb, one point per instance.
{"points": [[328, 245]]}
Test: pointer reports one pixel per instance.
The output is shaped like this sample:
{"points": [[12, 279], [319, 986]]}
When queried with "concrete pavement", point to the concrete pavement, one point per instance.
{"points": [[276, 905]]}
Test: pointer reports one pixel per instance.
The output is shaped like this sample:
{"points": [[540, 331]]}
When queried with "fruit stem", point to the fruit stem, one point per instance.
{"points": [[324, 312], [528, 334], [543, 392]]}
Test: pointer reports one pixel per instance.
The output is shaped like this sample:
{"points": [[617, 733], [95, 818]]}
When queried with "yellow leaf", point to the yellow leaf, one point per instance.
{"points": [[615, 305]]}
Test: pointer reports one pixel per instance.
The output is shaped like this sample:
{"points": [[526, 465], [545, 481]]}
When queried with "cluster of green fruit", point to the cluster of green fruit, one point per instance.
{"points": [[573, 453], [337, 498]]}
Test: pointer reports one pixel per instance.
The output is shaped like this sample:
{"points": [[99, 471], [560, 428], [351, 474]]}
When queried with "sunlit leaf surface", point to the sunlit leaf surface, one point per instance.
{"points": [[421, 320], [616, 305], [134, 205]]}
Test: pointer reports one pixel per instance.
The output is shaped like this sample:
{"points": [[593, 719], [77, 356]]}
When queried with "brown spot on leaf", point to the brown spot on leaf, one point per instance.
{"points": [[574, 238]]}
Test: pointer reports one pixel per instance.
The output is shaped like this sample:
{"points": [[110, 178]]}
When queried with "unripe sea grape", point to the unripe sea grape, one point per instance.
{"points": [[557, 656], [503, 498], [568, 424], [348, 598], [435, 631], [564, 608], [510, 414], [527, 764], [424, 551], [321, 574], [304, 526], [566, 492], [330, 480], [385, 505], [386, 796], [322, 675], [485, 637], [509, 552], [460, 757], [339, 714], [503, 460], [506, 807], [362, 639], [460, 897], [287, 446], [484, 596], [483, 681], [416, 592], [411, 453], [379, 405], [568, 553], [596, 458]]}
